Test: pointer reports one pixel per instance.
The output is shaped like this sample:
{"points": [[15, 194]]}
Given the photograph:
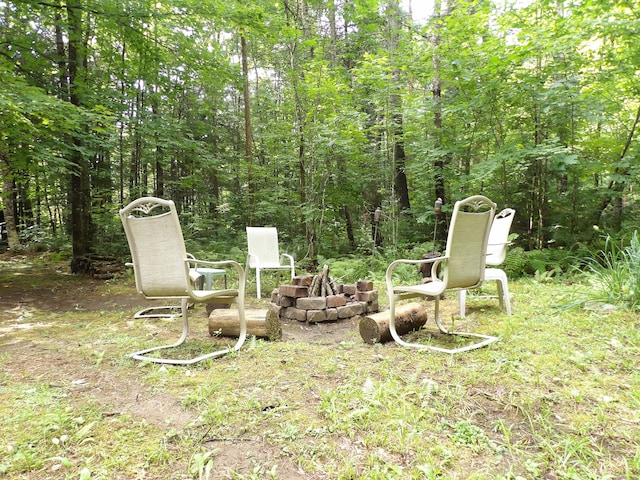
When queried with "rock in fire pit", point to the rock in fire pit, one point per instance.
{"points": [[317, 298]]}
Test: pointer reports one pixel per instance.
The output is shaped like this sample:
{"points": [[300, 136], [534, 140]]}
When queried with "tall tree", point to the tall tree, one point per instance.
{"points": [[394, 16], [76, 65]]}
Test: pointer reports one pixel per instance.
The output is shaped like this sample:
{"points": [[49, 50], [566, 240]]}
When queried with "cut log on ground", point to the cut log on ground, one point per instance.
{"points": [[375, 328], [260, 323]]}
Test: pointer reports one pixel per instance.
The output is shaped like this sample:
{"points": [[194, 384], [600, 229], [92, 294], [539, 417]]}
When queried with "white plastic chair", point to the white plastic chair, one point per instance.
{"points": [[463, 266], [496, 253], [264, 253], [164, 270]]}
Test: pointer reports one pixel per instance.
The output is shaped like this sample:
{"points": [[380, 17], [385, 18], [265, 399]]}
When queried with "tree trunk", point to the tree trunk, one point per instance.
{"points": [[81, 228], [8, 190], [616, 187], [395, 103], [441, 163], [248, 138]]}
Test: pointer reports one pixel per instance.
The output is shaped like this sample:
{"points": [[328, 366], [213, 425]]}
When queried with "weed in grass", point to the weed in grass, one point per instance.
{"points": [[201, 465], [259, 472]]}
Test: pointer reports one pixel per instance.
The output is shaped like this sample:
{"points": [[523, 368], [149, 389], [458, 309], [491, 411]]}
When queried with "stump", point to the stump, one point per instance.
{"points": [[260, 323], [375, 328]]}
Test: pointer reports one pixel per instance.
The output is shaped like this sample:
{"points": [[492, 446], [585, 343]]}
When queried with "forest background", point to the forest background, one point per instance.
{"points": [[309, 114]]}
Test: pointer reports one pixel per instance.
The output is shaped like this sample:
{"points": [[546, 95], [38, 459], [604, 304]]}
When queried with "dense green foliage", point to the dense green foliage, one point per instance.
{"points": [[535, 105]]}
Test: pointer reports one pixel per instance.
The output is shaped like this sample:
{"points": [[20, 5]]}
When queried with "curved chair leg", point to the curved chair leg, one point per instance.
{"points": [[487, 339], [502, 285], [500, 277], [141, 355], [503, 292]]}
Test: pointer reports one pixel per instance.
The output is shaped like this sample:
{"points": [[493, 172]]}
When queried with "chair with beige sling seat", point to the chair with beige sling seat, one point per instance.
{"points": [[164, 270], [462, 267]]}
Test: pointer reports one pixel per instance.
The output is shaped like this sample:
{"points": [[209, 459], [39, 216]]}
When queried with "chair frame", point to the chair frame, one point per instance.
{"points": [[284, 261], [153, 252], [496, 254], [461, 269]]}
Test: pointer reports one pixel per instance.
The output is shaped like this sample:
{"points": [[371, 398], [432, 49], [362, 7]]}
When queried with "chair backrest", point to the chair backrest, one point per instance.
{"points": [[262, 243], [157, 247], [499, 236], [467, 242]]}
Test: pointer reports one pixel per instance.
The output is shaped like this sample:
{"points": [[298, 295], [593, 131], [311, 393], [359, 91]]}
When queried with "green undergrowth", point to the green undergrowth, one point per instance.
{"points": [[557, 397]]}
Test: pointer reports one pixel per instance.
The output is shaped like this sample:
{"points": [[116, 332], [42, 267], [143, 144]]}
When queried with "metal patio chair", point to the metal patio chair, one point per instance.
{"points": [[164, 270], [462, 267]]}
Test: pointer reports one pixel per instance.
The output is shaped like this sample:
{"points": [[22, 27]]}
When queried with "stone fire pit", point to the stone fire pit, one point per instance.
{"points": [[317, 298]]}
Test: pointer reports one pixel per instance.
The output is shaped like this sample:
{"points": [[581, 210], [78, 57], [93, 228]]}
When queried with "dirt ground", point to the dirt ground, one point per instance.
{"points": [[54, 290], [13, 298], [32, 287]]}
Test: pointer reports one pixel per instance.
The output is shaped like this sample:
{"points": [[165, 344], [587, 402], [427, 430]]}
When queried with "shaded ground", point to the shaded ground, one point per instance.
{"points": [[52, 289], [63, 292], [34, 297]]}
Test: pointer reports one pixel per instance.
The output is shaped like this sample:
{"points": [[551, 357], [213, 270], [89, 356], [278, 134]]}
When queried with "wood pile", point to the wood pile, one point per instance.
{"points": [[98, 266]]}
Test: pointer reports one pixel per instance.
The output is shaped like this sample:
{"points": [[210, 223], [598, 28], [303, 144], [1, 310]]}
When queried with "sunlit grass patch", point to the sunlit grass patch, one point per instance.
{"points": [[46, 433]]}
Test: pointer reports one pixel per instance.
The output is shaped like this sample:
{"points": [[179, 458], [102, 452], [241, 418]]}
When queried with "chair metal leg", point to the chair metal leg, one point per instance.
{"points": [[462, 302], [141, 355], [502, 285], [258, 281], [487, 339]]}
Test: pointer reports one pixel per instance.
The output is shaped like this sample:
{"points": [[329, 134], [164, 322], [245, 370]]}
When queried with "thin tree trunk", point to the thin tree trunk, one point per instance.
{"points": [[81, 227], [8, 192], [441, 162], [395, 102], [616, 187], [248, 138]]}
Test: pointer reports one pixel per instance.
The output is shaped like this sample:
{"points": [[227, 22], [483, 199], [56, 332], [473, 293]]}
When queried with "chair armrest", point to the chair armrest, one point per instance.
{"points": [[498, 244], [228, 263], [191, 257], [392, 266], [251, 256], [287, 256]]}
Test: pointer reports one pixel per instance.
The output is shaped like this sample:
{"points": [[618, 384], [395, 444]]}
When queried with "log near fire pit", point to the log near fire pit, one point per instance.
{"points": [[317, 298]]}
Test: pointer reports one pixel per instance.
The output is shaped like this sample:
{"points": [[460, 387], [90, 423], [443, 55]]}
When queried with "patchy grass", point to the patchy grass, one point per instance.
{"points": [[557, 397]]}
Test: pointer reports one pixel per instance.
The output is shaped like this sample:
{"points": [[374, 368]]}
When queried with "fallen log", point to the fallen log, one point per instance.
{"points": [[375, 328], [260, 323]]}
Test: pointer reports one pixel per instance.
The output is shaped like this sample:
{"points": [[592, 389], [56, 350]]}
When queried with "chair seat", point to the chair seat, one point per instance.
{"points": [[494, 274], [214, 296], [435, 287]]}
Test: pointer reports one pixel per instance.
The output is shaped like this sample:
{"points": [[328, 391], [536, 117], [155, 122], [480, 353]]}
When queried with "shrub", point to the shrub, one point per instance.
{"points": [[612, 276]]}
